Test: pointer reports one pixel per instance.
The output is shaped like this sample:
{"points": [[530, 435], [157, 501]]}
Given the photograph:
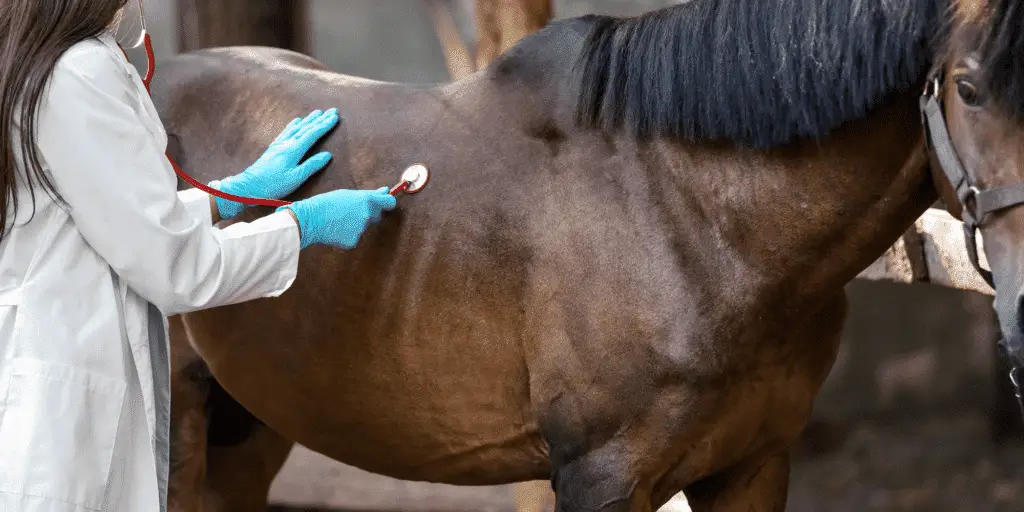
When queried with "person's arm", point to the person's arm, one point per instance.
{"points": [[205, 204], [214, 213], [122, 196], [200, 205], [277, 173]]}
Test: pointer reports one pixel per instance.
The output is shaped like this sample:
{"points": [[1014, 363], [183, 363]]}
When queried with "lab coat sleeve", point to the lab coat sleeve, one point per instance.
{"points": [[197, 203], [122, 194]]}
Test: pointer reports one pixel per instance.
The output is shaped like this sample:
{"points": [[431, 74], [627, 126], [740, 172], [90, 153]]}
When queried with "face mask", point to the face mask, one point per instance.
{"points": [[130, 27]]}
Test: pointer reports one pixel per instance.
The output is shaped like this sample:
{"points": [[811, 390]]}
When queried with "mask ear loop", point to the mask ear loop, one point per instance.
{"points": [[150, 60], [148, 43]]}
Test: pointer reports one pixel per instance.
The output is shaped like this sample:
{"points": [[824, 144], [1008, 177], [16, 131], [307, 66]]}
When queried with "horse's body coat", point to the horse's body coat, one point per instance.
{"points": [[629, 318]]}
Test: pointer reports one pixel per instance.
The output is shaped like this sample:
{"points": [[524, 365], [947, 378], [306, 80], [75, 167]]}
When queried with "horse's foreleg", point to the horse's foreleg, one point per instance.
{"points": [[760, 482], [600, 482], [759, 486], [240, 475], [187, 479], [222, 460], [207, 478]]}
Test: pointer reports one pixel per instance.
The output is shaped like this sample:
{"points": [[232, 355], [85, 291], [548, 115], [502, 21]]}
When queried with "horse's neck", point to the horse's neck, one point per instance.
{"points": [[800, 222], [796, 223]]}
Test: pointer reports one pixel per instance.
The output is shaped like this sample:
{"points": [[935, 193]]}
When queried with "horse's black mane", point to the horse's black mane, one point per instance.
{"points": [[759, 72], [1001, 48]]}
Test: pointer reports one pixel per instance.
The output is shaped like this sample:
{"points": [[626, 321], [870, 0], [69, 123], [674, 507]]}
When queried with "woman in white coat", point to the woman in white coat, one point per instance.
{"points": [[97, 247]]}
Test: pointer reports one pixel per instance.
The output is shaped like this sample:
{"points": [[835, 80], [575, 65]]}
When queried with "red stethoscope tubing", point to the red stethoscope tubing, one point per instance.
{"points": [[401, 187], [150, 69]]}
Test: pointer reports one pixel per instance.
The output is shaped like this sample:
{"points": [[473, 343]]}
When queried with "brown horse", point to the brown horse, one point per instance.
{"points": [[627, 272]]}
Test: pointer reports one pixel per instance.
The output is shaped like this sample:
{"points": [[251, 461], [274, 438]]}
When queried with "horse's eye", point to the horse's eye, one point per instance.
{"points": [[968, 92]]}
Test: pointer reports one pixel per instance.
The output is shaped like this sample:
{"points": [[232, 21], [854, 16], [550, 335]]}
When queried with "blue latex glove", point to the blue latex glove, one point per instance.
{"points": [[277, 173], [338, 218]]}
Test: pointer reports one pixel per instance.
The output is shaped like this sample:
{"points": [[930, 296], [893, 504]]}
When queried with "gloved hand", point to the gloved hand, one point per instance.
{"points": [[338, 218], [277, 173]]}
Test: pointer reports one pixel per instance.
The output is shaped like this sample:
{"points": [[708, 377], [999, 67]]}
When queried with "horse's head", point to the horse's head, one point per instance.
{"points": [[974, 111]]}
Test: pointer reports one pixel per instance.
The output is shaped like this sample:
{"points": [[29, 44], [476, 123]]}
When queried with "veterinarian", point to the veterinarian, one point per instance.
{"points": [[97, 247]]}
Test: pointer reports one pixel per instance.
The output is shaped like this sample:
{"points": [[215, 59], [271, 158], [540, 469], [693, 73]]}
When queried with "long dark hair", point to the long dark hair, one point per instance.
{"points": [[33, 36]]}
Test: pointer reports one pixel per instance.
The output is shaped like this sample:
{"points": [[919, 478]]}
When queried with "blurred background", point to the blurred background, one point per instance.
{"points": [[391, 40], [917, 414]]}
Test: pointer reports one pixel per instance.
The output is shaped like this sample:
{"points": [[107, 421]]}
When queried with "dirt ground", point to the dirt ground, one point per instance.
{"points": [[935, 464]]}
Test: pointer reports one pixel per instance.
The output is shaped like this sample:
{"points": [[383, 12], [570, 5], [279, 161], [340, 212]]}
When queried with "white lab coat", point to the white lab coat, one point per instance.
{"points": [[84, 388]]}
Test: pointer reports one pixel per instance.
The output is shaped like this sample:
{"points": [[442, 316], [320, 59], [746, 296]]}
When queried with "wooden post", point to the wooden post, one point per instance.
{"points": [[500, 24], [456, 55], [212, 23]]}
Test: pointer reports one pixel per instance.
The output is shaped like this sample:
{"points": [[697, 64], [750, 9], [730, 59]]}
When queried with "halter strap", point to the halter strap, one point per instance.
{"points": [[976, 206], [938, 139]]}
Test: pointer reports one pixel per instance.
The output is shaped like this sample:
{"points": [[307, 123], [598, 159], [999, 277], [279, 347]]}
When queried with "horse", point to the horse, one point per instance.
{"points": [[627, 273]]}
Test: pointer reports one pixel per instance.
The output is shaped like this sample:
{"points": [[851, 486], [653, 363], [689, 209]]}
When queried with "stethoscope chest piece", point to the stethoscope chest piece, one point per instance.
{"points": [[414, 179]]}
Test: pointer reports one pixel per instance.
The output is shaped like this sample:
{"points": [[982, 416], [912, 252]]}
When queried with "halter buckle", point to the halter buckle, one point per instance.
{"points": [[968, 211], [969, 192]]}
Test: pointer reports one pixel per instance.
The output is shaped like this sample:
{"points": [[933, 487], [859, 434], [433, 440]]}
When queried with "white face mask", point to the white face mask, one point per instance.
{"points": [[130, 26]]}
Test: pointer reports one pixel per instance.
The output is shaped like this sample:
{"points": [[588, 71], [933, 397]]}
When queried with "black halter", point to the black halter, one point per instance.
{"points": [[975, 204]]}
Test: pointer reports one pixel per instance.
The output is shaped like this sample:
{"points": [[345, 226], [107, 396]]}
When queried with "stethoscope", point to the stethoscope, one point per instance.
{"points": [[413, 179]]}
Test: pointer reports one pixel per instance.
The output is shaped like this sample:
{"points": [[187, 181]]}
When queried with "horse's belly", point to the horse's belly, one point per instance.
{"points": [[379, 378], [459, 427]]}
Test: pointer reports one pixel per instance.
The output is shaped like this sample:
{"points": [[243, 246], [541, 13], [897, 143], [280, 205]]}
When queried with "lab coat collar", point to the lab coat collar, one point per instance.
{"points": [[107, 38]]}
